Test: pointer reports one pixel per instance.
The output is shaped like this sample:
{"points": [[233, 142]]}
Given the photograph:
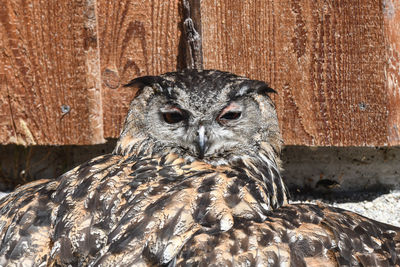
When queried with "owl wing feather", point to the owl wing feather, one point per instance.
{"points": [[298, 235], [125, 210], [25, 224]]}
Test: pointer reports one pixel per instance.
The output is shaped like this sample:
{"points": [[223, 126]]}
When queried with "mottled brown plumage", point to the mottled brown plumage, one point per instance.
{"points": [[194, 180]]}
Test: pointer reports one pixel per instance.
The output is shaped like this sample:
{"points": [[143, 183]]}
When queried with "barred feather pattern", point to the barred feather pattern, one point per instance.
{"points": [[298, 235], [133, 209]]}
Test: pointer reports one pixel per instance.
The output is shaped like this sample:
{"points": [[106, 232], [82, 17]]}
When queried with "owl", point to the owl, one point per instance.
{"points": [[194, 180]]}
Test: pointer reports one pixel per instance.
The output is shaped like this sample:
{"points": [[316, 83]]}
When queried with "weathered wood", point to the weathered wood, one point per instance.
{"points": [[391, 12], [326, 59], [49, 73], [335, 64], [136, 38]]}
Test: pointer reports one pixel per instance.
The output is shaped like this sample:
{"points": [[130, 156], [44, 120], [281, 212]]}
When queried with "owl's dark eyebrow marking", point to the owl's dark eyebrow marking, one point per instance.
{"points": [[169, 93]]}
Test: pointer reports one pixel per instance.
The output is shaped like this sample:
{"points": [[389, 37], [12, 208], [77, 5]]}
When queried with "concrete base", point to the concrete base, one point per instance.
{"points": [[307, 169], [323, 169]]}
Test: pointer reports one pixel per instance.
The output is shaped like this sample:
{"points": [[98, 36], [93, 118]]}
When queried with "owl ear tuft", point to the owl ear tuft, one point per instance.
{"points": [[263, 88], [155, 82], [139, 83], [250, 86]]}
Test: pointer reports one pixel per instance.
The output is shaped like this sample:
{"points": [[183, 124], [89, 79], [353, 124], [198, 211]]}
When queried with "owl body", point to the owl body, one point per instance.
{"points": [[193, 181], [127, 210]]}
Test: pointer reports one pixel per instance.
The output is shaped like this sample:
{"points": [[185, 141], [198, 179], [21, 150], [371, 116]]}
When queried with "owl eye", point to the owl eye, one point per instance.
{"points": [[172, 117], [231, 115]]}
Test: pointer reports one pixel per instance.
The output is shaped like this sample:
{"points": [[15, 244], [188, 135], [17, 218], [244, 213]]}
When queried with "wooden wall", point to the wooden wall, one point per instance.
{"points": [[335, 64]]}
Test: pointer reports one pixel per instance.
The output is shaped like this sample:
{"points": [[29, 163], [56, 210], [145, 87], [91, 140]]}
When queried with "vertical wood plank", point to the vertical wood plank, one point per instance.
{"points": [[391, 11], [136, 38], [49, 65], [335, 64], [325, 58]]}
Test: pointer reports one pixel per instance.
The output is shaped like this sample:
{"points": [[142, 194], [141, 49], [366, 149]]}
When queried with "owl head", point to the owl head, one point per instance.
{"points": [[208, 115]]}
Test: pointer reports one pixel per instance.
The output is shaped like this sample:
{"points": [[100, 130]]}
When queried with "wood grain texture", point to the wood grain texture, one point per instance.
{"points": [[326, 59], [335, 64], [49, 69], [391, 12], [136, 38]]}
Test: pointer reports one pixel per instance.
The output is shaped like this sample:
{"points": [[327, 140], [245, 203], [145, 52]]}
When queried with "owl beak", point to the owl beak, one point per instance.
{"points": [[202, 140]]}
